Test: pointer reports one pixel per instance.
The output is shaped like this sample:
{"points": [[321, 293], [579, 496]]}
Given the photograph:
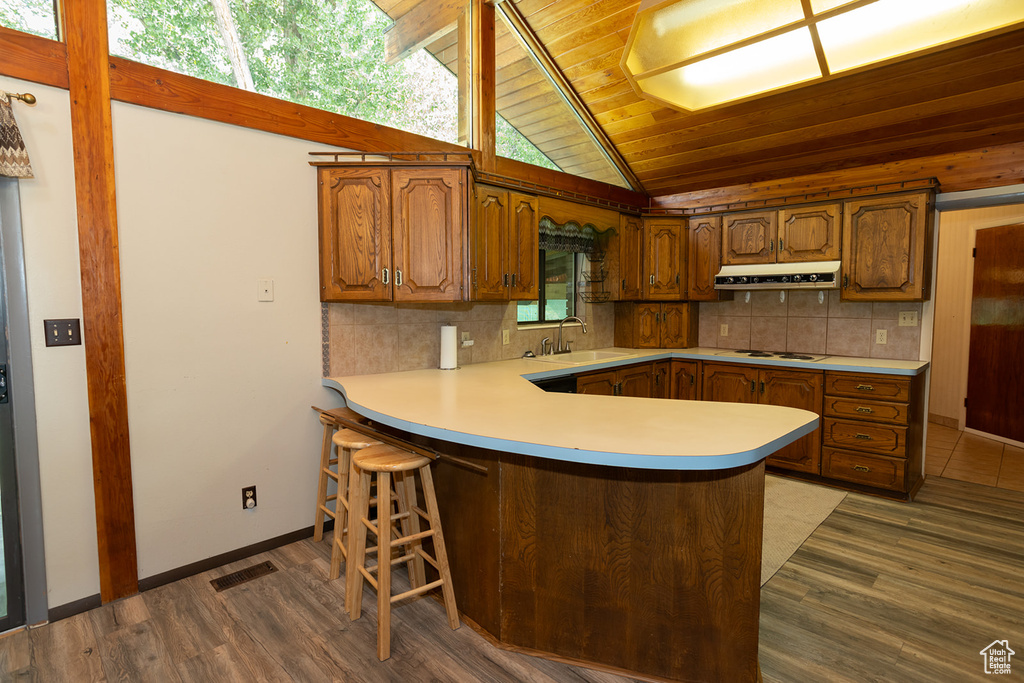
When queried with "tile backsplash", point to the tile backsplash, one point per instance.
{"points": [[801, 324], [367, 339]]}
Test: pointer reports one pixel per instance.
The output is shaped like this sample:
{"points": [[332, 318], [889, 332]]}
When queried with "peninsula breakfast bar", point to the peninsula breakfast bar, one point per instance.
{"points": [[622, 533]]}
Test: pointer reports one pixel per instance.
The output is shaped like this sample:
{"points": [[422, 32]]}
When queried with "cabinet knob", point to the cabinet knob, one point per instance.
{"points": [[506, 280], [862, 436], [861, 468], [865, 387], [753, 386], [652, 278], [384, 276], [513, 279], [771, 246], [398, 277], [862, 409], [780, 244]]}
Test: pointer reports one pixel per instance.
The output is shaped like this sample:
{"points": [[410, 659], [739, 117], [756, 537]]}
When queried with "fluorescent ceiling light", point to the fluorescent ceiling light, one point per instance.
{"points": [[693, 54]]}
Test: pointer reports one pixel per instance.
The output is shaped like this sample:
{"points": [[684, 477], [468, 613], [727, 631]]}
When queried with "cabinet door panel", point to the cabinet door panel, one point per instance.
{"points": [[795, 389], [685, 380], [884, 248], [749, 237], [355, 234], [648, 326], [809, 233], [599, 383], [662, 373], [678, 326], [636, 380], [630, 257], [665, 255], [489, 243], [523, 245], [704, 258], [427, 212], [730, 383]]}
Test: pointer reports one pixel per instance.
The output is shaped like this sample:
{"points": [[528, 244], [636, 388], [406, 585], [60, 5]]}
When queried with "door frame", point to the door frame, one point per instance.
{"points": [[965, 332], [26, 443]]}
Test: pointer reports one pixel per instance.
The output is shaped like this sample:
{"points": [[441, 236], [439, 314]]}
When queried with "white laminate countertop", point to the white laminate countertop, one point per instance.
{"points": [[494, 405]]}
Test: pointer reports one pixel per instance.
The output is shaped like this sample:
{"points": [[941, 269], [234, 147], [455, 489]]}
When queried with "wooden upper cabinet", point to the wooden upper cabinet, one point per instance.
{"points": [[664, 264], [653, 325], [427, 240], [886, 242], [355, 234], [704, 257], [631, 253], [678, 325], [749, 237], [489, 243], [648, 326], [809, 233], [503, 245], [524, 225]]}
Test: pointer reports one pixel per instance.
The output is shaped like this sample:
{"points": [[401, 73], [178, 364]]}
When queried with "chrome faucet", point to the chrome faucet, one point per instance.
{"points": [[571, 318]]}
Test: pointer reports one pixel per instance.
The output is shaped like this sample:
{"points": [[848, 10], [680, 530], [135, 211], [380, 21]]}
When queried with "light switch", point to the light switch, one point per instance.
{"points": [[908, 318], [265, 290]]}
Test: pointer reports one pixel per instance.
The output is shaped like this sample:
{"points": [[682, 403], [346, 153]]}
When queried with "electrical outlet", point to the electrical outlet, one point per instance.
{"points": [[504, 337], [908, 318], [248, 497], [264, 290], [63, 332], [881, 337], [723, 331]]}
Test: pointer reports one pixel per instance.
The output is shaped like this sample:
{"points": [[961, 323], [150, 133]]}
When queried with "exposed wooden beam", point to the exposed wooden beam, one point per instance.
{"points": [[85, 23], [420, 26], [518, 25], [484, 123], [464, 72], [32, 58]]}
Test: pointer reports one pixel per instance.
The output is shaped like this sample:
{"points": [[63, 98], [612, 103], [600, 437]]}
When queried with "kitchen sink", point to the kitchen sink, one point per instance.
{"points": [[581, 357]]}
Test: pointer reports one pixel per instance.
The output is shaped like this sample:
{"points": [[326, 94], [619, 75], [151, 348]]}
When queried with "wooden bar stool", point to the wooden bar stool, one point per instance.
{"points": [[347, 442], [385, 460], [329, 419]]}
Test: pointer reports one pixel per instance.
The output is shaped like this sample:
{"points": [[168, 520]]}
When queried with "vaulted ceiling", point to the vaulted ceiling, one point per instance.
{"points": [[961, 98]]}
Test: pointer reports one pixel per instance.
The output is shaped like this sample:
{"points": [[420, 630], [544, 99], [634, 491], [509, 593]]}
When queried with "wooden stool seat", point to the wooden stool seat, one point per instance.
{"points": [[353, 440], [387, 462]]}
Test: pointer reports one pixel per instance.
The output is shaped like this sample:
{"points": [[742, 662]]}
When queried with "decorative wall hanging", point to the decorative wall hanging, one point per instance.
{"points": [[14, 162]]}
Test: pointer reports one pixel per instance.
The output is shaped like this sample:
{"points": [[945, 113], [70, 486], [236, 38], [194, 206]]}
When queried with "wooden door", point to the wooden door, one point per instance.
{"points": [[795, 389], [685, 380], [661, 371], [427, 224], [729, 382], [665, 249], [995, 377], [524, 226], [355, 234], [600, 383], [489, 233], [704, 258], [809, 233], [636, 380], [631, 235], [886, 247], [678, 325], [749, 237], [648, 326]]}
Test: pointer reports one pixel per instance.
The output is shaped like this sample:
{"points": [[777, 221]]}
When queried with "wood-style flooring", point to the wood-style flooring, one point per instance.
{"points": [[881, 591]]}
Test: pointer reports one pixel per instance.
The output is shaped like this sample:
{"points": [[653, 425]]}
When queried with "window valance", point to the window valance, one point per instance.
{"points": [[570, 236]]}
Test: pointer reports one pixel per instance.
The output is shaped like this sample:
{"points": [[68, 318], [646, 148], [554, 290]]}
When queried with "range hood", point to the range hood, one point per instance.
{"points": [[810, 275]]}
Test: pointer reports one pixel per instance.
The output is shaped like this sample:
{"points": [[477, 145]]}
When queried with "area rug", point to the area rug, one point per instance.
{"points": [[792, 511]]}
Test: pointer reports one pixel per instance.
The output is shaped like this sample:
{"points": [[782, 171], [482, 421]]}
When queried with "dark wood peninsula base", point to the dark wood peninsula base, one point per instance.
{"points": [[643, 571]]}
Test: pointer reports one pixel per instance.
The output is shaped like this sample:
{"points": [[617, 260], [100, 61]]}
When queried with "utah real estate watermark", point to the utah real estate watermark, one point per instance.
{"points": [[997, 657]]}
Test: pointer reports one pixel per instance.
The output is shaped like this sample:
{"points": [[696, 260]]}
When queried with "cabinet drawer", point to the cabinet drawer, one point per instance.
{"points": [[873, 411], [877, 387], [862, 468], [864, 436]]}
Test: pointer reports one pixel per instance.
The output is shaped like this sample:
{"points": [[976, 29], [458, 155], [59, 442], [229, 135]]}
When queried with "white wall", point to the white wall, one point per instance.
{"points": [[219, 385], [50, 230]]}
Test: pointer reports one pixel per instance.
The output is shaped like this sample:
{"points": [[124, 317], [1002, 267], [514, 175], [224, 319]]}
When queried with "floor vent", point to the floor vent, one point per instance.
{"points": [[243, 575]]}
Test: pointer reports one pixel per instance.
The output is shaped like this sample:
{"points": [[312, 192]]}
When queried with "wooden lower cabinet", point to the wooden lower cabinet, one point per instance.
{"points": [[770, 386], [685, 380], [632, 380]]}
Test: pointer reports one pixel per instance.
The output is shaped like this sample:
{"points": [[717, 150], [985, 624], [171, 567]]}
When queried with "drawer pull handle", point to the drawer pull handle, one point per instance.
{"points": [[865, 387], [862, 409], [861, 468], [862, 436]]}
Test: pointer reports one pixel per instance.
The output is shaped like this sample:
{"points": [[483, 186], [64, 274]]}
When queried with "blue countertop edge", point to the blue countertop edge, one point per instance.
{"points": [[656, 462]]}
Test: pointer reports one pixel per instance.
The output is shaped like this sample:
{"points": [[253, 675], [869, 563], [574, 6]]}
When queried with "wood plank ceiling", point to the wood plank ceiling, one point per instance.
{"points": [[962, 98]]}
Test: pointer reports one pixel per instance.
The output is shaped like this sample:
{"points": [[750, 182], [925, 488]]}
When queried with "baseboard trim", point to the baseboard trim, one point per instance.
{"points": [[149, 583], [950, 422], [70, 609]]}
